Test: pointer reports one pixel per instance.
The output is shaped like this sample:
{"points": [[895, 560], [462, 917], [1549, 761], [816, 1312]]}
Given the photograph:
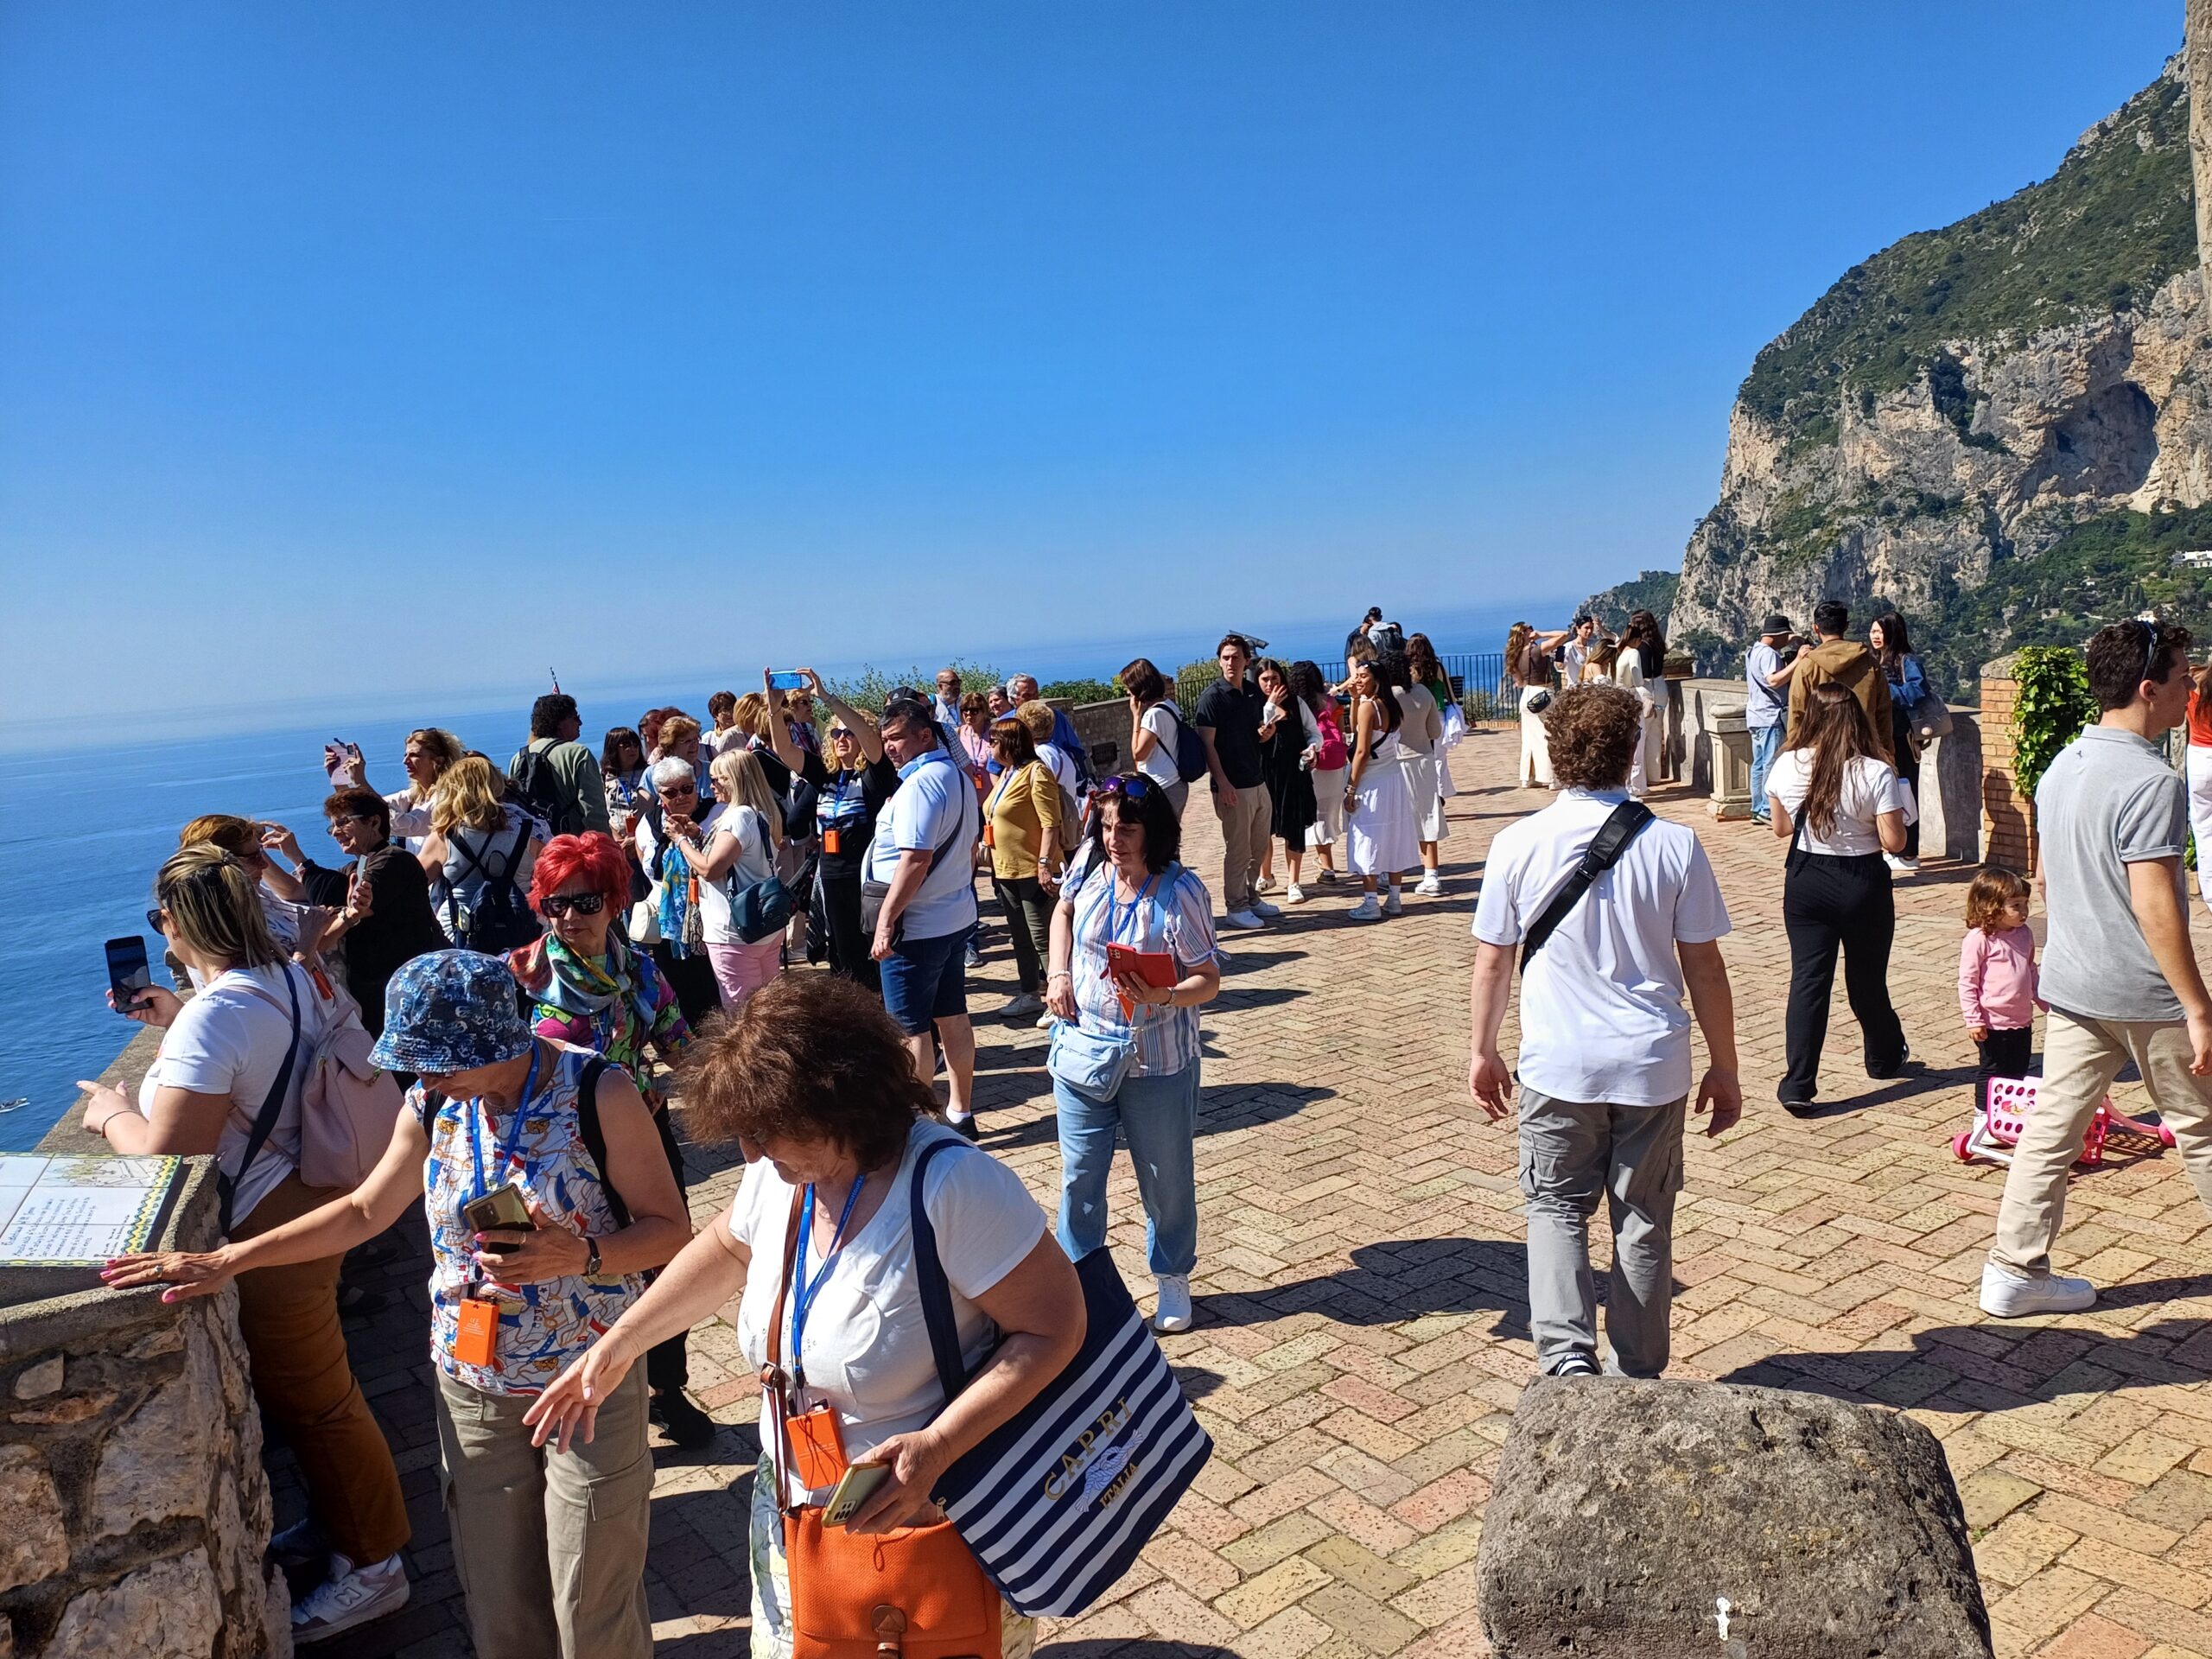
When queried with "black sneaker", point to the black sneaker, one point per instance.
{"points": [[1889, 1073], [688, 1426], [1797, 1108], [965, 1128]]}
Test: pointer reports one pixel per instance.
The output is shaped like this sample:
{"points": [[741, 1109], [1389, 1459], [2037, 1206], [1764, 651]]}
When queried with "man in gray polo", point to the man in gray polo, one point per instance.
{"points": [[2121, 982], [1604, 1058]]}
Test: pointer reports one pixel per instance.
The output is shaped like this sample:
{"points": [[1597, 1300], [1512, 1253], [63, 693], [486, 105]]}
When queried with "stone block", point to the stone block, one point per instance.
{"points": [[34, 1543], [43, 1378], [168, 1610], [158, 1461], [1664, 1519]]}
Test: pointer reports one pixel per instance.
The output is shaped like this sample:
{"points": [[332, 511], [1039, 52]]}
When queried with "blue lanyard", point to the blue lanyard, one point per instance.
{"points": [[1135, 909], [514, 1129], [802, 1302], [845, 791]]}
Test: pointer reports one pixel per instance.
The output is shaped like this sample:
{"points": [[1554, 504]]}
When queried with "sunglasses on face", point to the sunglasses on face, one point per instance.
{"points": [[353, 817], [679, 789], [154, 919], [584, 904]]}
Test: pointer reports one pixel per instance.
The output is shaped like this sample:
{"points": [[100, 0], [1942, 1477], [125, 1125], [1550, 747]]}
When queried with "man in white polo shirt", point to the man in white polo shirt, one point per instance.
{"points": [[1604, 1054]]}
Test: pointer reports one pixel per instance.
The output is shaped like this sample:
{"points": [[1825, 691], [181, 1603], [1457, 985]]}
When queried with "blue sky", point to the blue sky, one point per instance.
{"points": [[349, 346]]}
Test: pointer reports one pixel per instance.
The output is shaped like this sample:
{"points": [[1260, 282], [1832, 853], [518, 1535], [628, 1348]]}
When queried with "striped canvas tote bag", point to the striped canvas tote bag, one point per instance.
{"points": [[1056, 1502]]}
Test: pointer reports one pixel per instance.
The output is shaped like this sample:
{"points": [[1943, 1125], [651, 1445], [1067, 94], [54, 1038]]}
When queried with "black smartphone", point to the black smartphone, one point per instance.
{"points": [[129, 976], [501, 1207]]}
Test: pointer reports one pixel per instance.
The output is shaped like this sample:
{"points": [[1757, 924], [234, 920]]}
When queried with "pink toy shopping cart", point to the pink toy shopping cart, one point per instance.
{"points": [[2010, 1100]]}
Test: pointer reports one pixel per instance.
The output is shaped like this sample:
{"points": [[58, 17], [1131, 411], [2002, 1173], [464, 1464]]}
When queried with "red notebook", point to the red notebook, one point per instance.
{"points": [[1151, 967]]}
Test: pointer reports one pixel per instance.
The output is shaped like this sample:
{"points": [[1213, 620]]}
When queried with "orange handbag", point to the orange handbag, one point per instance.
{"points": [[916, 1593]]}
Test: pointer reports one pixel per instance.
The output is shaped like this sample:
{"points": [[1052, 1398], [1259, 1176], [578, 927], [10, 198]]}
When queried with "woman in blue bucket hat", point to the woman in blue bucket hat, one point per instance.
{"points": [[550, 1542]]}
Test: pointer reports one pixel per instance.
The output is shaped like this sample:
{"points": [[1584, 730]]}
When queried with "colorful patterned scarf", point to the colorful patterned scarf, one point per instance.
{"points": [[679, 928]]}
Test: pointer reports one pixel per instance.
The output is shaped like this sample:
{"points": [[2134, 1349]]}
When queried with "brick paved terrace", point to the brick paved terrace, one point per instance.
{"points": [[1363, 1327]]}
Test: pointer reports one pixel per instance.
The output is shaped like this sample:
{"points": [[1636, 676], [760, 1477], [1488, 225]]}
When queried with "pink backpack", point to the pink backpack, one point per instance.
{"points": [[348, 1104]]}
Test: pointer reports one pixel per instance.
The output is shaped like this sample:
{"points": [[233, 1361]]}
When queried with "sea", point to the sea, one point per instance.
{"points": [[85, 818]]}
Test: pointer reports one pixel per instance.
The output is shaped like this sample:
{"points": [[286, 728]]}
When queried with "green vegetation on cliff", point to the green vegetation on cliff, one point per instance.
{"points": [[1652, 591], [2113, 566], [2100, 235]]}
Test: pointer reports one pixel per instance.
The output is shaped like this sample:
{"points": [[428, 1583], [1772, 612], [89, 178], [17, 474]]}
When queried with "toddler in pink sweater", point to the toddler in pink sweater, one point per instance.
{"points": [[1996, 978]]}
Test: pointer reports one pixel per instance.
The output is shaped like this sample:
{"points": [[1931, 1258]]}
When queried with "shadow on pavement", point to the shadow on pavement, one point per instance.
{"points": [[1397, 1281]]}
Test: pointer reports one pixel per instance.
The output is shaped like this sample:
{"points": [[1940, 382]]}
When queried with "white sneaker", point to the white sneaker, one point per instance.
{"points": [[2008, 1295], [1430, 885], [1902, 866], [351, 1596], [1265, 884], [1044, 1020], [1265, 912], [1243, 918], [1396, 904], [1017, 1006], [1173, 1311], [1295, 894], [1365, 911]]}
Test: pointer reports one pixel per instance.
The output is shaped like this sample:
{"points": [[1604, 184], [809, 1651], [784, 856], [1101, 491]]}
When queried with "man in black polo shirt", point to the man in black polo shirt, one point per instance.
{"points": [[1229, 722]]}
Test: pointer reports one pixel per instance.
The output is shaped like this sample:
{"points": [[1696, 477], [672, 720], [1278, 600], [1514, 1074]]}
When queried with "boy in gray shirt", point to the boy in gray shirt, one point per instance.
{"points": [[2119, 974]]}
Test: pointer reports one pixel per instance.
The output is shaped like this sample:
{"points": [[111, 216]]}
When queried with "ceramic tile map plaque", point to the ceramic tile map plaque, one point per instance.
{"points": [[79, 1211]]}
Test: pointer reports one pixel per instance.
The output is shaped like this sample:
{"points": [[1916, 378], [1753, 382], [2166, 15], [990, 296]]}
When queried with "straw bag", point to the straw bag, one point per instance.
{"points": [[916, 1593]]}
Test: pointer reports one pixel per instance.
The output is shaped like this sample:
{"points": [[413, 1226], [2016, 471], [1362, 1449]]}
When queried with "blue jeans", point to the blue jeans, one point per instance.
{"points": [[1159, 1115], [1766, 746]]}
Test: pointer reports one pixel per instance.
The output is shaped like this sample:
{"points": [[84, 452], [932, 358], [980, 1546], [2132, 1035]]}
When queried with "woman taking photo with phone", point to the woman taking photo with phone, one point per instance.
{"points": [[551, 1542], [223, 1069], [859, 783], [814, 1084], [392, 919], [732, 849], [1134, 959]]}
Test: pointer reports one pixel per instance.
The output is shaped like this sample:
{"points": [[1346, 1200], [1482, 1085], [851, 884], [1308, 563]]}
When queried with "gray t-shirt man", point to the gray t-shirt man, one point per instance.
{"points": [[2108, 800], [1766, 704]]}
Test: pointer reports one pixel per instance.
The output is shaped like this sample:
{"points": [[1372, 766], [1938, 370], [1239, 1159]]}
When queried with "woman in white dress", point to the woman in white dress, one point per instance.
{"points": [[1418, 741], [1380, 836], [1628, 674], [1528, 664], [1649, 641]]}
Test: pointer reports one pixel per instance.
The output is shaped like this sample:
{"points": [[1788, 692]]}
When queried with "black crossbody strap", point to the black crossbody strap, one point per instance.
{"points": [[1604, 851], [595, 1137], [272, 1108]]}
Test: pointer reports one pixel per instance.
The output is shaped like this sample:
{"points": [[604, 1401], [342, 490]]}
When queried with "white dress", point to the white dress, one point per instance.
{"points": [[1418, 742], [1381, 836], [1628, 674]]}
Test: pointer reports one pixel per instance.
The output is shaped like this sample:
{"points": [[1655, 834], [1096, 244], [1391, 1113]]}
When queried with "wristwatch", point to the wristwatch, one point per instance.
{"points": [[591, 1260]]}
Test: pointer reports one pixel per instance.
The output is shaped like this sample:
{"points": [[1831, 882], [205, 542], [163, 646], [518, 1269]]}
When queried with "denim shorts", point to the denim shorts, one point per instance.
{"points": [[927, 980]]}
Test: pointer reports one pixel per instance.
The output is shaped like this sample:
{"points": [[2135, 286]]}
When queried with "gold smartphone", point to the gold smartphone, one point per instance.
{"points": [[502, 1207], [860, 1480]]}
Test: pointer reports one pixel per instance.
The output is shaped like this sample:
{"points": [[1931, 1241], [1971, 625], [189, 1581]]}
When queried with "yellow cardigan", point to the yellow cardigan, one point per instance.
{"points": [[1024, 821]]}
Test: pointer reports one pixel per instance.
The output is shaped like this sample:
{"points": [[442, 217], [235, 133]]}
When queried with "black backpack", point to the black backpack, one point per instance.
{"points": [[1190, 747], [534, 785], [501, 918]]}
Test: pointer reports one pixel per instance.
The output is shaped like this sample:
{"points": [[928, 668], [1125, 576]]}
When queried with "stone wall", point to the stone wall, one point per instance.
{"points": [[2009, 830], [130, 1478]]}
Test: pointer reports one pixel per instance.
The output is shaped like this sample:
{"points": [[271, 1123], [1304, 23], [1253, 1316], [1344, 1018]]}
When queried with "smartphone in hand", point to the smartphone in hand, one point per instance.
{"points": [[501, 1207], [129, 975], [854, 1490], [787, 679]]}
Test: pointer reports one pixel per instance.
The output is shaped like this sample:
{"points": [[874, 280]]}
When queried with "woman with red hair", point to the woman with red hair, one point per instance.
{"points": [[589, 987]]}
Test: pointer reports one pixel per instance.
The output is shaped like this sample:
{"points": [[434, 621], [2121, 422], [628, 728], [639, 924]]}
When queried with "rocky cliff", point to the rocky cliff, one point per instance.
{"points": [[2034, 380]]}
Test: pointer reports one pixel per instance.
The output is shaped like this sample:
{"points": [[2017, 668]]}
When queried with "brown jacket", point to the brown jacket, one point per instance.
{"points": [[1848, 663]]}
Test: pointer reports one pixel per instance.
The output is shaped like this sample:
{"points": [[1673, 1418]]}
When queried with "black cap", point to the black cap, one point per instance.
{"points": [[1774, 623]]}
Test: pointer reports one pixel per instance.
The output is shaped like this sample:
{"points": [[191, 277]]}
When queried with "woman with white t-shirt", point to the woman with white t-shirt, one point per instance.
{"points": [[223, 1055], [1839, 805], [1154, 731], [1330, 758], [730, 849], [813, 1081]]}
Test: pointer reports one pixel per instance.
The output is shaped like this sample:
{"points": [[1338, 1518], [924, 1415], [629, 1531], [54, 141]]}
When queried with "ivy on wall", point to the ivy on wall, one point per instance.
{"points": [[2051, 703]]}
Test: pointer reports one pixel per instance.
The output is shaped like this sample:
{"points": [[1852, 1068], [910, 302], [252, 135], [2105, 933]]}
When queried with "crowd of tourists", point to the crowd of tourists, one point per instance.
{"points": [[542, 953], [545, 953]]}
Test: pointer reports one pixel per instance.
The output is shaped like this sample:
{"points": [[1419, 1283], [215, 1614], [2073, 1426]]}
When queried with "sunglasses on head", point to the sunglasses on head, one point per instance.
{"points": [[584, 904], [1134, 786]]}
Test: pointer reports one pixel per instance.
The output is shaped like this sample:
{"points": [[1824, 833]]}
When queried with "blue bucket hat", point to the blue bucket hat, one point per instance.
{"points": [[451, 1011]]}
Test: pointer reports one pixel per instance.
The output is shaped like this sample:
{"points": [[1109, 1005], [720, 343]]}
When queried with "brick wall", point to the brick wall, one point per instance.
{"points": [[2008, 822]]}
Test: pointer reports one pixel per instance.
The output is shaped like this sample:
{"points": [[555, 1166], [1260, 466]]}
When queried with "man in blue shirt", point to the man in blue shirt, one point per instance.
{"points": [[1766, 681], [923, 858]]}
